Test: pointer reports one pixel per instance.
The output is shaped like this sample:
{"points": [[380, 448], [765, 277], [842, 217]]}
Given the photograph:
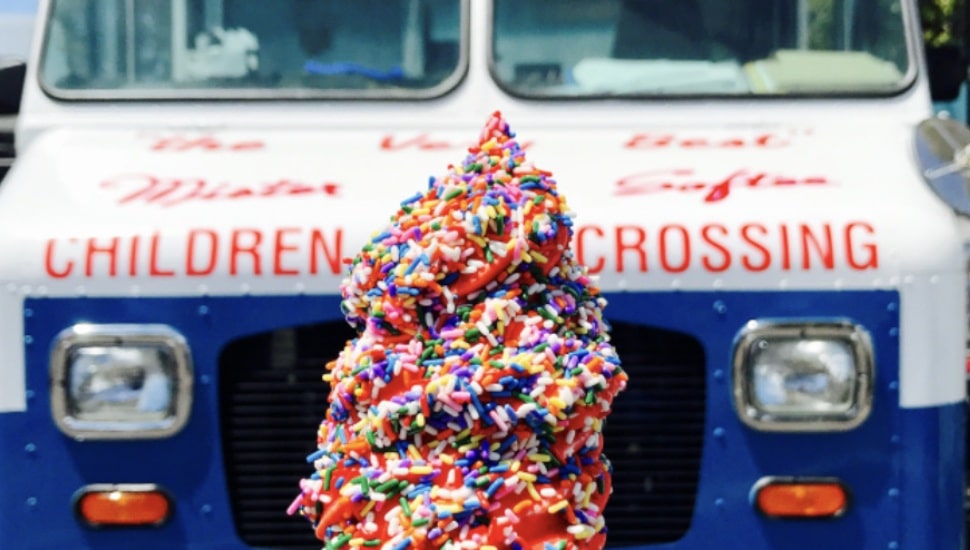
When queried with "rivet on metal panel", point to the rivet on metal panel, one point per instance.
{"points": [[28, 312], [719, 432], [719, 307], [203, 310], [719, 375], [30, 448], [28, 339]]}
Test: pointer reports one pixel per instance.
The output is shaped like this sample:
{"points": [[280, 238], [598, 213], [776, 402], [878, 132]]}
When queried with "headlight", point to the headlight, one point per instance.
{"points": [[120, 381], [814, 376]]}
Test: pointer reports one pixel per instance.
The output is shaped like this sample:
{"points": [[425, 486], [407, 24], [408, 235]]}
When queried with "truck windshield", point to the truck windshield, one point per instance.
{"points": [[699, 47], [232, 48]]}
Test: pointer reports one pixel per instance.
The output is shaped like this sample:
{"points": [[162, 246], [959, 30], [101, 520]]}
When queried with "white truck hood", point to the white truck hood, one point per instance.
{"points": [[177, 213]]}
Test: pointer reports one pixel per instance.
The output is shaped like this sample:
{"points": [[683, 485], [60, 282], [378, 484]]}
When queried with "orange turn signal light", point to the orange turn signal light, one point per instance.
{"points": [[123, 505], [800, 498]]}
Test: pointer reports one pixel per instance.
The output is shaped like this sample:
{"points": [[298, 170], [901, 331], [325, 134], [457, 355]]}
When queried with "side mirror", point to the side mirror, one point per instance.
{"points": [[947, 71], [12, 77]]}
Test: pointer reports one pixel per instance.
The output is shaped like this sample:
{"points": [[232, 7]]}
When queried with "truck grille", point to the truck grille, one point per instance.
{"points": [[272, 399]]}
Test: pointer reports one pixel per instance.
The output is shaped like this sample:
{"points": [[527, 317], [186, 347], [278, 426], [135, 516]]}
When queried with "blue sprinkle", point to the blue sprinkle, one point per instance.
{"points": [[493, 488], [314, 456], [414, 197]]}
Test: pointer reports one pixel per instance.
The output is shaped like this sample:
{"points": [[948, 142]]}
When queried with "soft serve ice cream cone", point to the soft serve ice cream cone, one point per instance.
{"points": [[468, 412]]}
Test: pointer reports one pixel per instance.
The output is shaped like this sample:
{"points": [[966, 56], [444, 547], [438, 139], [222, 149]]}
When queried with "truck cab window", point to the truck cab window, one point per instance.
{"points": [[699, 47], [286, 48]]}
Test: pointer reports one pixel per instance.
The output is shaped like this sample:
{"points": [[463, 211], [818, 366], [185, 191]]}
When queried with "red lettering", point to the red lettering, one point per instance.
{"points": [[205, 143], [823, 249], [169, 192], [646, 141], [746, 260], [649, 141], [421, 141], [785, 252], [725, 253], [771, 141], [133, 256], [870, 249], [581, 248], [239, 247], [282, 247], [153, 268], [640, 237], [684, 246], [49, 261], [332, 254], [93, 249], [209, 264]]}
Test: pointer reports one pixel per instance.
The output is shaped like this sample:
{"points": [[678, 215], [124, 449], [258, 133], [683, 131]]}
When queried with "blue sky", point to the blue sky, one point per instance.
{"points": [[18, 6]]}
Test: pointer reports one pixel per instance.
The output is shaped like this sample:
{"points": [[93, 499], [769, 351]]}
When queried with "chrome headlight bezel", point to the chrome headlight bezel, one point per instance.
{"points": [[852, 336], [168, 343]]}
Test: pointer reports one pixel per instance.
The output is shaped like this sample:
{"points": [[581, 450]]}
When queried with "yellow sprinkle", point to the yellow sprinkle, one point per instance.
{"points": [[367, 508], [559, 403], [357, 542], [525, 476], [447, 459], [420, 420], [489, 547], [515, 466], [420, 470], [558, 506], [537, 457], [585, 533], [532, 491], [453, 508], [540, 257]]}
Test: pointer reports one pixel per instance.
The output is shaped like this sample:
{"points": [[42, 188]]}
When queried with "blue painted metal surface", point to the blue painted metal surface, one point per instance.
{"points": [[903, 467]]}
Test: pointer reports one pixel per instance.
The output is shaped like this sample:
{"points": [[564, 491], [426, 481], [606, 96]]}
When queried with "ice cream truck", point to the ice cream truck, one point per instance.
{"points": [[772, 210]]}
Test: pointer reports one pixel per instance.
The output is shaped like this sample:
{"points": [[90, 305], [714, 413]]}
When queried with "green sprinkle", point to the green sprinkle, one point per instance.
{"points": [[386, 486], [405, 506], [454, 193], [341, 540], [420, 522], [326, 478]]}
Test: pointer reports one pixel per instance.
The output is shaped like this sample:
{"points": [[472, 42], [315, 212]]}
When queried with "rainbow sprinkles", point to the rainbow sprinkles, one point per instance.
{"points": [[468, 412]]}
